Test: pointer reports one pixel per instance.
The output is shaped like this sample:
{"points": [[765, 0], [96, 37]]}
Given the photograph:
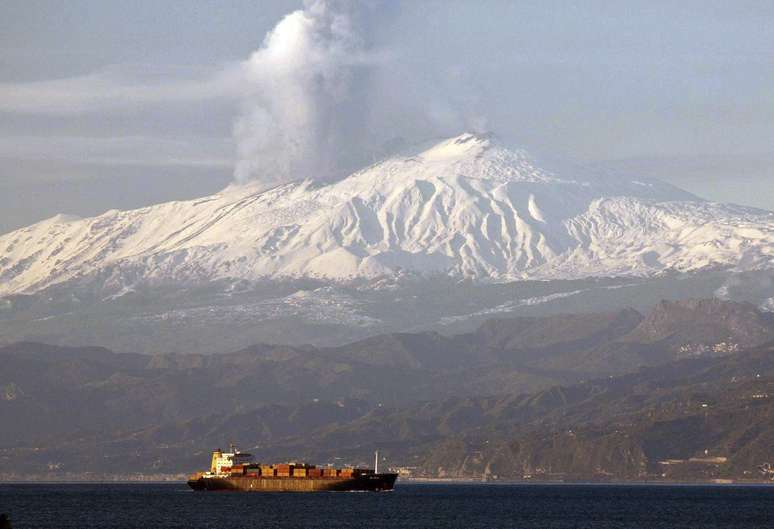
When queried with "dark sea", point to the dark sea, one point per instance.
{"points": [[165, 506]]}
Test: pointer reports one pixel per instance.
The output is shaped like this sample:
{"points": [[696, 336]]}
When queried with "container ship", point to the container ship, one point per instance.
{"points": [[235, 471]]}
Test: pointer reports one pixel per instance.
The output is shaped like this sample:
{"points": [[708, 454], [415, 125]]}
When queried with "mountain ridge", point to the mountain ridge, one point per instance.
{"points": [[466, 207], [513, 398]]}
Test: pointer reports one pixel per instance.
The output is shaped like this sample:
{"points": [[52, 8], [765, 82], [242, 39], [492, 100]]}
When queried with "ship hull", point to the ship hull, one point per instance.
{"points": [[371, 482]]}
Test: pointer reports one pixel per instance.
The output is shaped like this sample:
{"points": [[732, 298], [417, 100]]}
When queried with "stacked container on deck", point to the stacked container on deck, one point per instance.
{"points": [[284, 470], [295, 470]]}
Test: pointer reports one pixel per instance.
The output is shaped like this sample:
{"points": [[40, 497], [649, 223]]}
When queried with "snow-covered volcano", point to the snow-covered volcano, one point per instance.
{"points": [[466, 206]]}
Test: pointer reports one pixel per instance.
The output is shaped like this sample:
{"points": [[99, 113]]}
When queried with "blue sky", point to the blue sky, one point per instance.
{"points": [[121, 104]]}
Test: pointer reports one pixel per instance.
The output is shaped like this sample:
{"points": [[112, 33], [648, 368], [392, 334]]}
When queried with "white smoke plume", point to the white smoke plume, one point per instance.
{"points": [[305, 94]]}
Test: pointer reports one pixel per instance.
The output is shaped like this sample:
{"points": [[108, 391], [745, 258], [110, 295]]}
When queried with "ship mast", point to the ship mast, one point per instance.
{"points": [[376, 462]]}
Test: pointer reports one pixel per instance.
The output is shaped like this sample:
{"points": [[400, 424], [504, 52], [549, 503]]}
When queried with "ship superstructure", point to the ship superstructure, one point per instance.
{"points": [[222, 462]]}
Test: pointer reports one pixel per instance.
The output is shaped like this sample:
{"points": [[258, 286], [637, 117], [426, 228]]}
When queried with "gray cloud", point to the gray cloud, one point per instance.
{"points": [[116, 87], [128, 150]]}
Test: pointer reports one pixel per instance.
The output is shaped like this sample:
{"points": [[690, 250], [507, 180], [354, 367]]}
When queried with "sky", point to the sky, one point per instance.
{"points": [[123, 104]]}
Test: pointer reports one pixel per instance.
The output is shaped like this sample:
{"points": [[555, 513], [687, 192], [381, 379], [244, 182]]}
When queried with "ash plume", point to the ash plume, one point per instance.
{"points": [[306, 94]]}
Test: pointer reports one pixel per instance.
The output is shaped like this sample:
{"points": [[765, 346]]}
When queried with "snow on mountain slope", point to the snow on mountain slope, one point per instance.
{"points": [[467, 206]]}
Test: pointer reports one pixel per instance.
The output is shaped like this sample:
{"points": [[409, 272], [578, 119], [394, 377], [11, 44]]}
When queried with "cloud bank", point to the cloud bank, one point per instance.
{"points": [[116, 88], [148, 151]]}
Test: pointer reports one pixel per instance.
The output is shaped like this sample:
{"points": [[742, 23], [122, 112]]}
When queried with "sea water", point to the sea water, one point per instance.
{"points": [[166, 506]]}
